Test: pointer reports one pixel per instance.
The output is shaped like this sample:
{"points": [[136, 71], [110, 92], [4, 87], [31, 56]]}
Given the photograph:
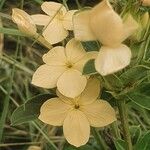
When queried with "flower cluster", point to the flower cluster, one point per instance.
{"points": [[78, 105]]}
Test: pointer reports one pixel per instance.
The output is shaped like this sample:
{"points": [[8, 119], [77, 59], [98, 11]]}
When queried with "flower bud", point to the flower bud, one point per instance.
{"points": [[23, 21]]}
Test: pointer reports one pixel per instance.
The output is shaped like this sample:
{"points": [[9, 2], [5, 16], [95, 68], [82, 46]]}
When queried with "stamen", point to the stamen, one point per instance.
{"points": [[76, 106]]}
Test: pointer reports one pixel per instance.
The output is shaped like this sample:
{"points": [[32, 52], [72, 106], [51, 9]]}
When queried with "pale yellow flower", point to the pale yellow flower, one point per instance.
{"points": [[57, 21], [104, 24], [23, 21], [145, 2], [63, 69], [78, 114]]}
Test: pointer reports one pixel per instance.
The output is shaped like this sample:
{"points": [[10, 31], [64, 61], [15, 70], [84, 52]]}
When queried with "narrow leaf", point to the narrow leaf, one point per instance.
{"points": [[30, 110]]}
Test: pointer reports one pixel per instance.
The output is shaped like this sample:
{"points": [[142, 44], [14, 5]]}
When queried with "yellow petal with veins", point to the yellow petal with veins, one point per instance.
{"points": [[56, 56], [68, 20], [111, 60], [74, 51], [106, 24], [53, 8], [90, 93], [55, 32], [82, 29], [47, 76], [41, 19], [71, 83], [99, 113], [54, 111], [76, 128]]}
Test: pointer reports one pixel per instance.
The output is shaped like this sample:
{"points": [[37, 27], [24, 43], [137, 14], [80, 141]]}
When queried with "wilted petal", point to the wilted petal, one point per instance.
{"points": [[110, 60], [91, 92], [80, 64], [99, 113], [54, 111], [82, 29], [46, 76], [130, 26], [55, 32], [40, 19], [24, 21], [74, 51], [71, 83], [68, 20], [76, 128], [56, 56], [106, 24], [53, 8]]}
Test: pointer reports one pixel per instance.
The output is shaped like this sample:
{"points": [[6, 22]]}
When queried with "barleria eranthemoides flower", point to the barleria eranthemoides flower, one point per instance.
{"points": [[89, 69]]}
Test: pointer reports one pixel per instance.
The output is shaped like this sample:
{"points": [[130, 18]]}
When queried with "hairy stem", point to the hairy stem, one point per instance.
{"points": [[124, 121]]}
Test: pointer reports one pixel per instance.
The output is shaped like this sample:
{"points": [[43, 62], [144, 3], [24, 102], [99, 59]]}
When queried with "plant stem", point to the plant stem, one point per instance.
{"points": [[124, 121], [115, 130], [99, 139]]}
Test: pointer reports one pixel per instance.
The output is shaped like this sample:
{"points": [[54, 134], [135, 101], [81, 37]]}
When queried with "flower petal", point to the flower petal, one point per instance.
{"points": [[74, 51], [68, 20], [56, 56], [106, 24], [46, 76], [100, 113], [23, 21], [80, 64], [53, 8], [91, 92], [82, 29], [76, 128], [55, 32], [110, 60], [130, 26], [40, 19], [54, 111], [71, 83]]}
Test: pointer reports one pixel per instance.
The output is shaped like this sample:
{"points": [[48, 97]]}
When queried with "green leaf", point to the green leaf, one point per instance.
{"points": [[30, 110], [120, 144], [144, 142], [133, 75], [135, 132], [141, 95], [89, 68], [91, 46]]}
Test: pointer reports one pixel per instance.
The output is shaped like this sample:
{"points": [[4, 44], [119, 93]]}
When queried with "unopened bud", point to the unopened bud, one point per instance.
{"points": [[23, 21]]}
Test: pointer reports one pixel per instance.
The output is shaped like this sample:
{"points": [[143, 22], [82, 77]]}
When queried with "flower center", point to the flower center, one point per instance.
{"points": [[69, 65], [76, 106]]}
